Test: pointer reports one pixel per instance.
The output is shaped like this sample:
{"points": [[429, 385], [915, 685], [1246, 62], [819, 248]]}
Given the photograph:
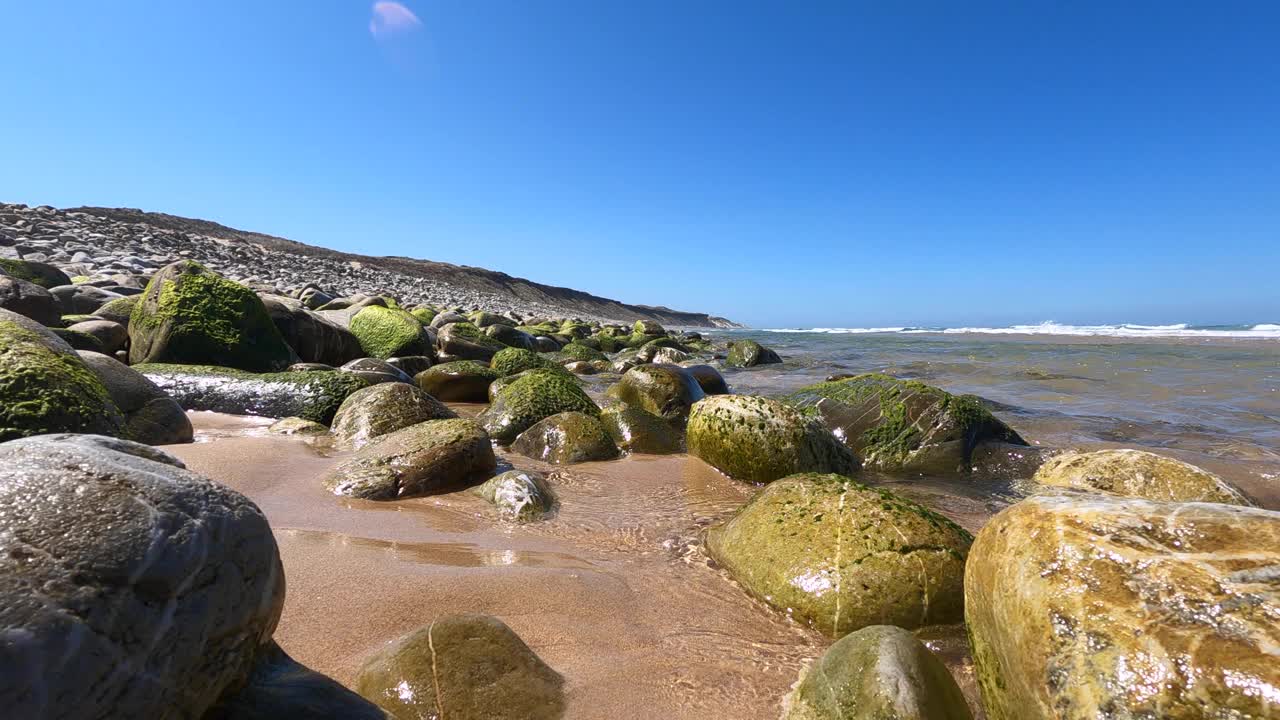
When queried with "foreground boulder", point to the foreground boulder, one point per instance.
{"points": [[840, 556], [535, 395], [458, 381], [386, 332], [664, 390], [417, 460], [192, 315], [904, 425], [749, 353], [150, 415], [1090, 606], [1137, 473], [384, 408], [462, 667], [877, 673], [566, 438], [760, 440], [518, 495], [46, 388], [639, 431], [314, 396]]}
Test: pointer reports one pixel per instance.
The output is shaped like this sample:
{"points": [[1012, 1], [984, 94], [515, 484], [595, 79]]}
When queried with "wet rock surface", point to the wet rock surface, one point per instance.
{"points": [[417, 460]]}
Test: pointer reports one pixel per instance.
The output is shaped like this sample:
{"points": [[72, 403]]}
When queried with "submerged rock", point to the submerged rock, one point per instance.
{"points": [[880, 672], [313, 396], [640, 431], [749, 353], [1083, 606], [150, 415], [417, 460], [462, 667], [381, 409], [664, 390], [459, 381], [535, 395], [566, 438], [840, 556], [518, 495], [1140, 474], [760, 440]]}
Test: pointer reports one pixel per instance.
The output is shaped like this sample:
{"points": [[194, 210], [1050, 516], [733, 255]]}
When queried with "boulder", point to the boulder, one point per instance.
{"points": [[447, 318], [533, 396], [664, 390], [42, 274], [81, 299], [518, 495], [460, 381], [119, 311], [639, 431], [1095, 606], [314, 396], [314, 338], [510, 337], [841, 556], [483, 319], [1139, 474], [380, 409], [150, 416], [281, 688], [385, 332], [709, 379], [376, 371], [749, 353], [760, 440], [297, 426], [516, 360], [473, 665], [578, 351], [411, 365], [191, 315], [78, 340], [566, 438], [464, 341], [417, 460], [648, 327], [28, 299], [113, 336]]}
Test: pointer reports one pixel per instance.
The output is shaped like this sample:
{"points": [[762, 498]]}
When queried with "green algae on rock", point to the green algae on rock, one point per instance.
{"points": [[1137, 473], [639, 431], [841, 556], [418, 460], [880, 672], [749, 353], [578, 351], [903, 425], [515, 360], [566, 438], [518, 495], [760, 440], [664, 390], [464, 341], [462, 667], [375, 411], [385, 332], [534, 395], [457, 381], [119, 310], [1082, 606], [192, 315], [314, 396]]}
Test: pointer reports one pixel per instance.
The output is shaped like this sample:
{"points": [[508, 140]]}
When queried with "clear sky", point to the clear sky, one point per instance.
{"points": [[782, 163]]}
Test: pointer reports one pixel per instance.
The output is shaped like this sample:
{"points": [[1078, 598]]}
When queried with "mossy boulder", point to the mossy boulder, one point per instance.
{"points": [[510, 337], [428, 457], [119, 310], [648, 327], [458, 381], [841, 556], [462, 667], [385, 332], [535, 395], [640, 431], [578, 351], [1137, 473], [749, 353], [191, 315], [42, 274], [314, 396], [45, 387], [664, 390], [464, 341], [424, 314], [1094, 606], [384, 408], [516, 360], [709, 378], [760, 440], [518, 495], [150, 415], [566, 438], [79, 340], [880, 672], [903, 425]]}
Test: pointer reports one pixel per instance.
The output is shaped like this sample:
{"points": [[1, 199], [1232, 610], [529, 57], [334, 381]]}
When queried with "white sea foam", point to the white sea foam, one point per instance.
{"points": [[1263, 330]]}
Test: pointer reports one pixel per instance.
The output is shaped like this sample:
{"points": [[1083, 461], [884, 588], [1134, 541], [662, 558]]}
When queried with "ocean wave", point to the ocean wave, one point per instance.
{"points": [[1184, 330]]}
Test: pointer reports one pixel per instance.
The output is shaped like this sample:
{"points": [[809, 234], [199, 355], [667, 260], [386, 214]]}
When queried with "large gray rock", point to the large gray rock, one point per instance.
{"points": [[150, 415], [82, 299], [28, 299], [375, 411], [113, 336], [314, 396], [417, 460], [313, 337], [664, 390]]}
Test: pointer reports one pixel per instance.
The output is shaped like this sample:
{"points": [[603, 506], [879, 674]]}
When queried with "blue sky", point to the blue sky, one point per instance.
{"points": [[829, 164]]}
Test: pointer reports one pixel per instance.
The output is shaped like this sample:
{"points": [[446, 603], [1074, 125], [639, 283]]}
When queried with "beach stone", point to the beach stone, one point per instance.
{"points": [[417, 460], [1137, 473], [448, 317], [297, 426], [760, 440], [424, 314], [483, 319], [840, 556], [566, 438], [1096, 606], [647, 327], [664, 390], [46, 388], [129, 587], [749, 353], [535, 395], [376, 371], [380, 409], [81, 299], [516, 360], [518, 495], [458, 381], [510, 337], [411, 365], [709, 379], [581, 367], [473, 665], [30, 300], [464, 341], [576, 351], [38, 273], [639, 431], [150, 416], [545, 344], [880, 672], [79, 340], [119, 310], [113, 336], [385, 332], [315, 396], [903, 425], [281, 687], [313, 338], [191, 315]]}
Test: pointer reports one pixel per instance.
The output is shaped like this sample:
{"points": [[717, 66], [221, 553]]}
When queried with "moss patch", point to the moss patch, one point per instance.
{"points": [[388, 332], [533, 396]]}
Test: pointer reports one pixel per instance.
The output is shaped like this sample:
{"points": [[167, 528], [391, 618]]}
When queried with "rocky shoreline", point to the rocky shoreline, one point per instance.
{"points": [[131, 586]]}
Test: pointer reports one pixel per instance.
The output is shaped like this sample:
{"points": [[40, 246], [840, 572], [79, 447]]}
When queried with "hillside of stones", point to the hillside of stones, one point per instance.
{"points": [[88, 240]]}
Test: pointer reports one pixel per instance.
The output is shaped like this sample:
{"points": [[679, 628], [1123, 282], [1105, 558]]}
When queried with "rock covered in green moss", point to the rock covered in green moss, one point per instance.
{"points": [[314, 396], [517, 494], [1083, 606], [648, 327], [880, 672], [42, 274], [119, 310], [1137, 473], [458, 381], [462, 667], [566, 438], [535, 395], [578, 351], [420, 459], [664, 390], [901, 425], [385, 332], [638, 431], [516, 360], [464, 341], [749, 353], [45, 387], [191, 315], [424, 314], [150, 415], [841, 556], [760, 440], [375, 411]]}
